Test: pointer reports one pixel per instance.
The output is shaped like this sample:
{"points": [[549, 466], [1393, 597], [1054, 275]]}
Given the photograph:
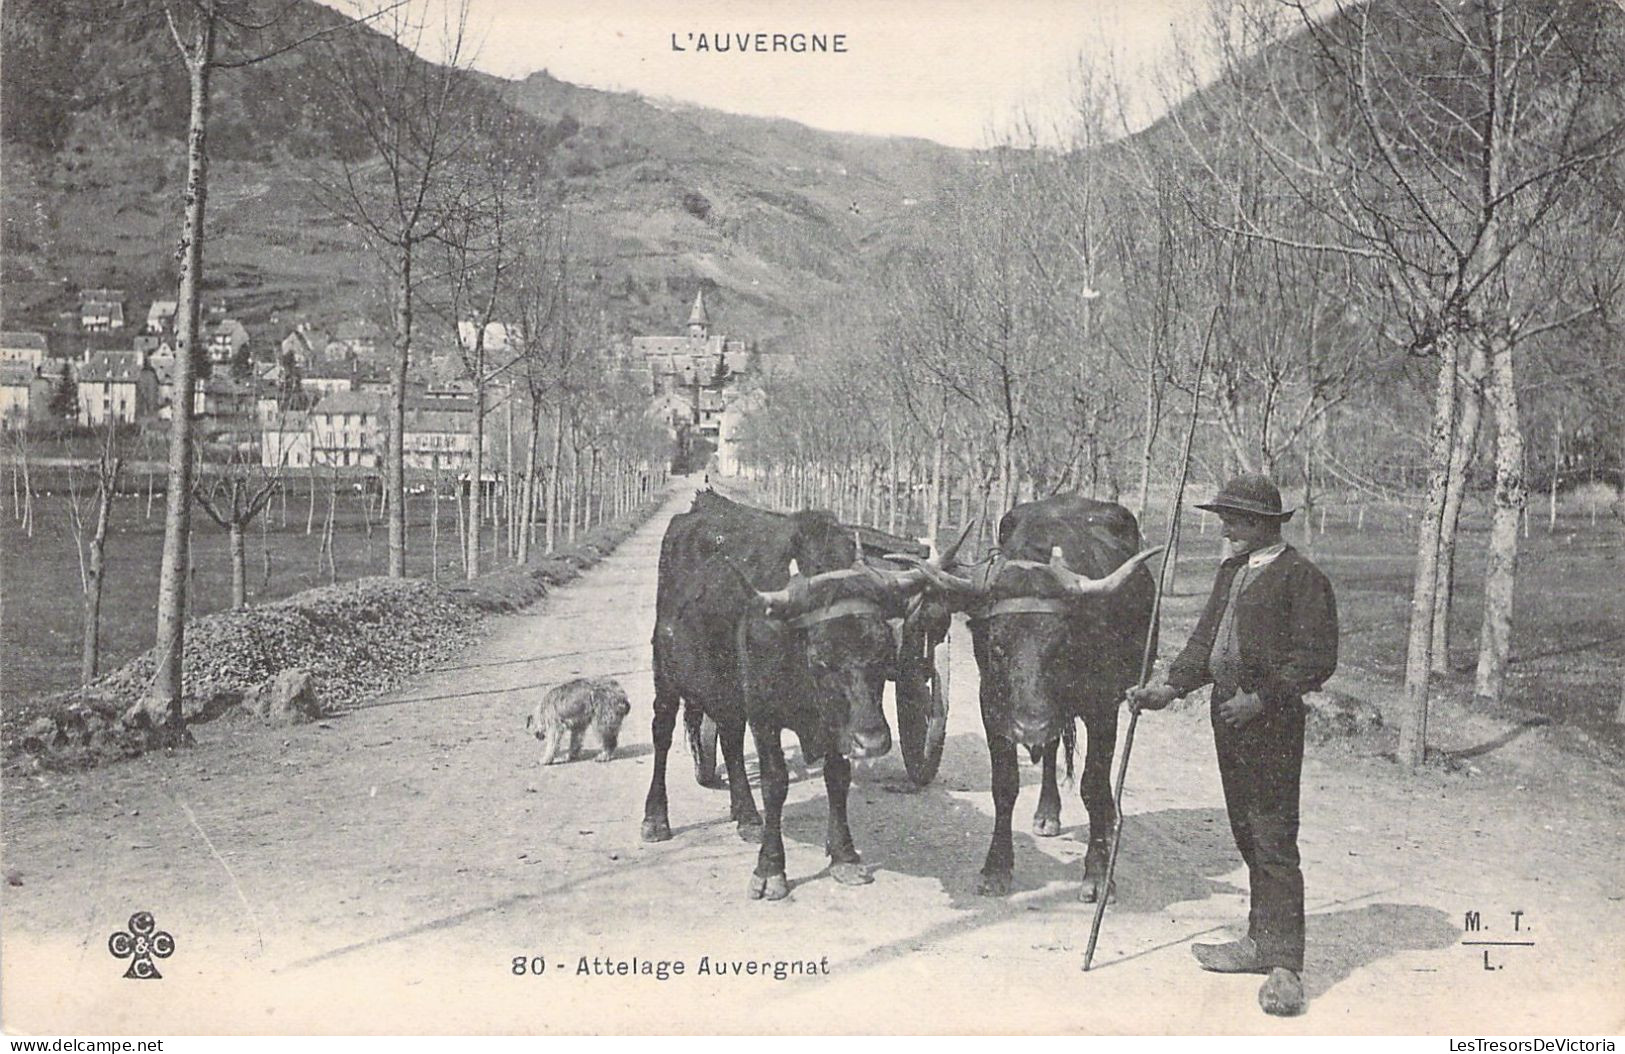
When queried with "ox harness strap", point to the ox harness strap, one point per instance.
{"points": [[839, 609], [1024, 606]]}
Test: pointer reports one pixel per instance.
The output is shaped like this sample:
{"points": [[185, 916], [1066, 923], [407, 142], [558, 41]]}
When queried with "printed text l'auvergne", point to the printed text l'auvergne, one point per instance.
{"points": [[760, 43]]}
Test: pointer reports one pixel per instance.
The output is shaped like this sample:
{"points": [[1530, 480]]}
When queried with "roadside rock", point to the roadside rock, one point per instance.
{"points": [[289, 698], [1336, 715]]}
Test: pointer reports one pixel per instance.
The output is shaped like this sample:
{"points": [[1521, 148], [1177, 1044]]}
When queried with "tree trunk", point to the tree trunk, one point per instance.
{"points": [[1461, 457], [471, 559], [90, 657], [1511, 497], [1418, 658], [395, 454], [239, 577], [527, 517], [163, 703], [554, 473], [1557, 463]]}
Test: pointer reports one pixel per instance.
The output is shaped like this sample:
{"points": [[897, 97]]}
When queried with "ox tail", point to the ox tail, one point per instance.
{"points": [[1069, 745]]}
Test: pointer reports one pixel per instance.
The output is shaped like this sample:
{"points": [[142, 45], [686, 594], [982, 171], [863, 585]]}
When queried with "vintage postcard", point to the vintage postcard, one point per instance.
{"points": [[548, 517]]}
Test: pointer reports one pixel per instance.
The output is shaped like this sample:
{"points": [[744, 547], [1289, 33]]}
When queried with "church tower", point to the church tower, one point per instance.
{"points": [[699, 323]]}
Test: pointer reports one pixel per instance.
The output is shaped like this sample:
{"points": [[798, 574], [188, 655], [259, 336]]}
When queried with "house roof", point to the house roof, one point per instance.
{"points": [[421, 420], [110, 309], [288, 421], [17, 338], [698, 315], [111, 367], [161, 309], [349, 403], [16, 374]]}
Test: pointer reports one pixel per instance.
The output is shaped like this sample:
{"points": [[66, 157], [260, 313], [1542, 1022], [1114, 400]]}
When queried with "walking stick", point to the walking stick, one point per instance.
{"points": [[1164, 576]]}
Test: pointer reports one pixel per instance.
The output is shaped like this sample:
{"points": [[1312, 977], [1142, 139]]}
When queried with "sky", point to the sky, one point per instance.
{"points": [[956, 71]]}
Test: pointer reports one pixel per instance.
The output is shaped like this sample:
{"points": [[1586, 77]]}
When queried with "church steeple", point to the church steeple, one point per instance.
{"points": [[699, 323]]}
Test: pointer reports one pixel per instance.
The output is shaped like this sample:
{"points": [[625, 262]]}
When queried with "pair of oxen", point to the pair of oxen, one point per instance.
{"points": [[774, 621]]}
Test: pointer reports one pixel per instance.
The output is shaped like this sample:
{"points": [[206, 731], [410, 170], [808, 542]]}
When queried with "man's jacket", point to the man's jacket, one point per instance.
{"points": [[1286, 630]]}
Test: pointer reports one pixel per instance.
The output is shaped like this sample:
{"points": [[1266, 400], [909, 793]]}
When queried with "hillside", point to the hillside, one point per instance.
{"points": [[769, 215]]}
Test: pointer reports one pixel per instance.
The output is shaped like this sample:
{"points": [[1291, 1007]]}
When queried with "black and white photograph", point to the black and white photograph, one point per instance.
{"points": [[550, 518]]}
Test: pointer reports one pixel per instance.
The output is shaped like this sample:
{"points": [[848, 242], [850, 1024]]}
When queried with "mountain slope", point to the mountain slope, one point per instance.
{"points": [[769, 215]]}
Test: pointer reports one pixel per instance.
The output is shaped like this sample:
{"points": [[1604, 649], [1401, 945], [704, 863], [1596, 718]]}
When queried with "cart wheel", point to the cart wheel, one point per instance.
{"points": [[702, 746], [922, 702]]}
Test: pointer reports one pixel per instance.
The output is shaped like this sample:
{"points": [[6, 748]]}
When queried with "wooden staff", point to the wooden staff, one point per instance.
{"points": [[1164, 576]]}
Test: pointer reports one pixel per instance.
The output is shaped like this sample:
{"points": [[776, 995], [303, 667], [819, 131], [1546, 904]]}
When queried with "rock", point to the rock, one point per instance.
{"points": [[40, 734], [289, 698], [1335, 715]]}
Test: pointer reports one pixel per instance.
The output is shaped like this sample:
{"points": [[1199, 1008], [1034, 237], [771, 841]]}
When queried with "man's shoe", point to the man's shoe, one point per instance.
{"points": [[1231, 957], [1282, 994]]}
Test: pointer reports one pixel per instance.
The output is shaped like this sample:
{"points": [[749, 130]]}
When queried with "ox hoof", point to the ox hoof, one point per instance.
{"points": [[850, 874], [1090, 893], [1046, 826], [773, 887], [750, 831], [656, 831], [994, 884]]}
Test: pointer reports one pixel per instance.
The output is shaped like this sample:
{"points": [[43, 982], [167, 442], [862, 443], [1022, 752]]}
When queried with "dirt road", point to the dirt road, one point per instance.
{"points": [[383, 872]]}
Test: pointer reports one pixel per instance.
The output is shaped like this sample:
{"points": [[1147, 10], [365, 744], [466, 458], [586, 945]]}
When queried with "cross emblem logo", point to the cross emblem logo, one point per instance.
{"points": [[141, 945]]}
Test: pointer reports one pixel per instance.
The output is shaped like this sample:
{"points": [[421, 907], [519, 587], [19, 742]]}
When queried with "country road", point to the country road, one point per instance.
{"points": [[382, 871]]}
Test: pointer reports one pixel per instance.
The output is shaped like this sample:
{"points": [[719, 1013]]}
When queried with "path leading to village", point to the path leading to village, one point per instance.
{"points": [[383, 872]]}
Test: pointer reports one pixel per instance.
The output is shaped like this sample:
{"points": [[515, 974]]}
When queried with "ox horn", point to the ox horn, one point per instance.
{"points": [[935, 571], [769, 599], [1082, 585]]}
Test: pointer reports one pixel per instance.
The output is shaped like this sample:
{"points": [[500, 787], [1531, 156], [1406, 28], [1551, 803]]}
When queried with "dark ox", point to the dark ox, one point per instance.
{"points": [[1052, 645], [742, 639]]}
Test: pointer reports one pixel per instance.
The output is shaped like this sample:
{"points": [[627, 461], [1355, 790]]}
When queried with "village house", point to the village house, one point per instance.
{"points": [[305, 344], [360, 338], [436, 439], [694, 382], [346, 429], [225, 340], [16, 391], [101, 310], [161, 317], [23, 347], [324, 378], [285, 441], [115, 385]]}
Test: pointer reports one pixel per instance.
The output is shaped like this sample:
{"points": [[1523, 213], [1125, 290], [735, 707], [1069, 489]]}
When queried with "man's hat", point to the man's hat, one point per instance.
{"points": [[1253, 495]]}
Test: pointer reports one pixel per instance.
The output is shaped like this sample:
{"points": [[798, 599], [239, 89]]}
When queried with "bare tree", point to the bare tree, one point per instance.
{"points": [[209, 35], [415, 120], [93, 556], [233, 495], [1432, 143]]}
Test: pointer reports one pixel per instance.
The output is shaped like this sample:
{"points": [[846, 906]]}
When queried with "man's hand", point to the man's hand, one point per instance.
{"points": [[1241, 710], [1151, 697]]}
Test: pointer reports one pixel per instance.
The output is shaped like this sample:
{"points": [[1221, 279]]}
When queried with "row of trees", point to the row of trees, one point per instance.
{"points": [[1393, 227], [443, 190]]}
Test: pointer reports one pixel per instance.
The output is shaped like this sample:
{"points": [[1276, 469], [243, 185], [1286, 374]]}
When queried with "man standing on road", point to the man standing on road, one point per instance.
{"points": [[1267, 636]]}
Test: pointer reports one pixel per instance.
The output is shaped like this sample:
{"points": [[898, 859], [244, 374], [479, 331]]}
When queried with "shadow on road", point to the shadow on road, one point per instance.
{"points": [[1168, 856], [1340, 942]]}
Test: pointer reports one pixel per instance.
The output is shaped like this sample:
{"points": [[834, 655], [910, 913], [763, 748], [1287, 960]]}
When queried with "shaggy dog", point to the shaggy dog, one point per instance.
{"points": [[567, 711]]}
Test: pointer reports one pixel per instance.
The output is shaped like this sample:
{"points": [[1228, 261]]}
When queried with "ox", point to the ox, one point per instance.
{"points": [[773, 621], [1053, 645]]}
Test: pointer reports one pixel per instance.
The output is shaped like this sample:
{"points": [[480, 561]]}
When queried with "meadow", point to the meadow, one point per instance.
{"points": [[1568, 642], [41, 606]]}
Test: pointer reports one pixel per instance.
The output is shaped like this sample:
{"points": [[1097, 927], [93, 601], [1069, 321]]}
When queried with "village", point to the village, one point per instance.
{"points": [[303, 395]]}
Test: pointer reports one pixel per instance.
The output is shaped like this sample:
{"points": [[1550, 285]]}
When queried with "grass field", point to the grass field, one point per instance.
{"points": [[1568, 642], [41, 612]]}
